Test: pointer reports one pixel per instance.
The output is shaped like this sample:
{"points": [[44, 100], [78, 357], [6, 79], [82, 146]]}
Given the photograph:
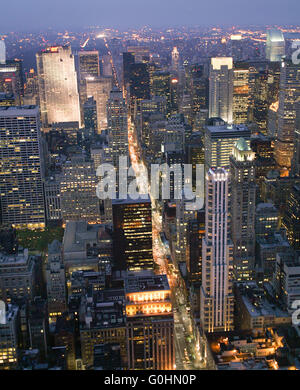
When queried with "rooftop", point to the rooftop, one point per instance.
{"points": [[145, 281]]}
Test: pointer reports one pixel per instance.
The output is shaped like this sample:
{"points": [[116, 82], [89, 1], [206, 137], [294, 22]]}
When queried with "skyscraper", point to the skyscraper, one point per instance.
{"points": [[175, 60], [2, 52], [219, 140], [59, 99], [221, 88], [275, 46], [132, 225], [21, 165], [150, 322], [99, 88], [243, 195], [241, 97], [117, 125], [216, 297], [88, 62], [78, 191], [55, 279], [289, 94]]}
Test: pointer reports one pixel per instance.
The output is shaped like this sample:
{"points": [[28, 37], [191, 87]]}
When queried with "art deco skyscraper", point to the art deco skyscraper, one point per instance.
{"points": [[175, 60], [216, 297], [289, 94], [21, 188], [275, 46], [59, 99], [242, 167], [221, 88]]}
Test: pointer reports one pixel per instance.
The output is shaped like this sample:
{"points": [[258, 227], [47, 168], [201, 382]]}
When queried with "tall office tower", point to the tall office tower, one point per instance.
{"points": [[288, 96], [11, 79], [38, 326], [2, 52], [55, 280], [221, 88], [117, 125], [236, 47], [186, 108], [87, 68], [196, 233], [139, 82], [132, 225], [78, 191], [128, 60], [160, 85], [31, 90], [88, 62], [291, 217], [106, 66], [264, 157], [183, 216], [17, 276], [199, 88], [9, 338], [216, 296], [52, 198], [219, 140], [275, 46], [150, 322], [90, 116], [99, 88], [241, 97], [21, 165], [59, 99], [296, 154], [141, 53], [175, 60], [243, 194]]}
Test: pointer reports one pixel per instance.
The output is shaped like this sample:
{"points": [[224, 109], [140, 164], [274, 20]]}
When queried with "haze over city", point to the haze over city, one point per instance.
{"points": [[36, 15]]}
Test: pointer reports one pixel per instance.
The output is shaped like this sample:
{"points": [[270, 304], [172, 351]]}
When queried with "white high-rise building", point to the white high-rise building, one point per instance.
{"points": [[175, 59], [216, 296], [275, 46], [2, 52], [221, 88], [243, 194], [58, 90]]}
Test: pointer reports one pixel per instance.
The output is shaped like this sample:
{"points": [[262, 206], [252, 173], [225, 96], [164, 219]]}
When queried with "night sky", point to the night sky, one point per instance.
{"points": [[21, 15]]}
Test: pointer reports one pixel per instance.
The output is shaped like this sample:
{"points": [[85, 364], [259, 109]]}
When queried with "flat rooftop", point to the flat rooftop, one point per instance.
{"points": [[145, 281], [228, 129], [20, 258], [13, 111]]}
